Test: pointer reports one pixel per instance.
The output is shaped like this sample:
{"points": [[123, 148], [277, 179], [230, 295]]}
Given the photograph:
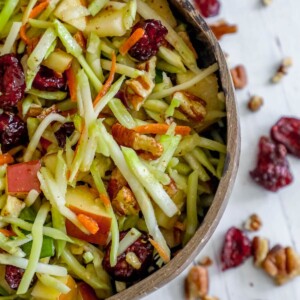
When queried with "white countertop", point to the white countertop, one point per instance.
{"points": [[266, 35]]}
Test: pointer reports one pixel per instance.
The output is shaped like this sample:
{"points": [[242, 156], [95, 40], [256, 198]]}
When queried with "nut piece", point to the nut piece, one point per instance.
{"points": [[196, 283], [260, 249], [221, 28], [282, 69], [267, 2], [282, 264], [205, 261], [239, 77], [129, 138], [210, 298], [255, 103], [253, 223]]}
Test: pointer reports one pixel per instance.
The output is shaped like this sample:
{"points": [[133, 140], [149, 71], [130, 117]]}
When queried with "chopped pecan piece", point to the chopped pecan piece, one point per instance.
{"points": [[260, 249], [255, 103], [191, 105], [206, 261], [282, 69], [116, 182], [253, 223], [221, 28], [130, 138], [267, 2], [282, 264], [136, 90], [196, 283], [239, 77], [125, 203]]}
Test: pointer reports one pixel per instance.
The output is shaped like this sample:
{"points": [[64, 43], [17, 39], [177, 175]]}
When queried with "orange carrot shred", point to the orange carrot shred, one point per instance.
{"points": [[157, 128], [78, 36], [105, 200], [7, 233], [71, 81], [160, 250], [132, 40], [89, 223], [6, 158], [109, 80], [23, 35]]}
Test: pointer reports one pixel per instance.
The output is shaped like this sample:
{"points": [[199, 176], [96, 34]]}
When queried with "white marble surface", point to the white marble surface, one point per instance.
{"points": [[266, 35]]}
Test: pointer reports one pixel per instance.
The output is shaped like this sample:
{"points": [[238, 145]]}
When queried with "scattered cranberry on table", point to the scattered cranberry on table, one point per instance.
{"points": [[236, 248], [208, 8], [287, 132], [153, 37], [272, 169]]}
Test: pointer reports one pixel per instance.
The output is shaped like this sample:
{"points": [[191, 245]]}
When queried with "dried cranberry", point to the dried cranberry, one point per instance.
{"points": [[236, 248], [153, 37], [13, 131], [287, 132], [123, 271], [46, 79], [208, 8], [272, 169], [63, 132], [13, 276], [12, 81]]}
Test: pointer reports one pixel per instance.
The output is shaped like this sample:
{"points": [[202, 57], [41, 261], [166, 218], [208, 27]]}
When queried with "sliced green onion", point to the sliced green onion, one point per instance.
{"points": [[39, 132], [191, 207], [11, 38], [121, 113], [37, 241], [186, 85], [7, 259], [131, 236], [6, 12], [151, 184]]}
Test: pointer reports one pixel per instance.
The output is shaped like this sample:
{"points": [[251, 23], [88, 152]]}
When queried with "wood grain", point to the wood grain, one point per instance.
{"points": [[209, 52]]}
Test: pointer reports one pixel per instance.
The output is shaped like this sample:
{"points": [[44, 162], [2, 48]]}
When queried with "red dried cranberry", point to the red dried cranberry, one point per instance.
{"points": [[287, 132], [123, 271], [148, 45], [208, 8], [63, 132], [12, 81], [272, 169], [13, 131], [46, 79], [13, 276], [236, 248]]}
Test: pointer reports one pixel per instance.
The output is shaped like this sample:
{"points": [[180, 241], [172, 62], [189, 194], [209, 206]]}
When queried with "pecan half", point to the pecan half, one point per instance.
{"points": [[130, 138], [282, 264], [260, 249], [191, 105], [221, 28], [255, 103], [196, 283], [239, 77], [116, 182]]}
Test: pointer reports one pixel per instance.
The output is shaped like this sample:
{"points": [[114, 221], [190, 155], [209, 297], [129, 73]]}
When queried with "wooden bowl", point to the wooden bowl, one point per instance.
{"points": [[209, 52]]}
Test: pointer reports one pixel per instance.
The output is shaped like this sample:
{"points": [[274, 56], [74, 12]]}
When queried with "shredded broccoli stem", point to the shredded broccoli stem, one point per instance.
{"points": [[191, 207], [96, 5], [122, 69], [14, 250], [11, 38], [196, 166], [200, 155], [27, 11], [57, 95], [131, 236], [19, 241], [37, 241], [54, 283], [7, 11], [58, 223]]}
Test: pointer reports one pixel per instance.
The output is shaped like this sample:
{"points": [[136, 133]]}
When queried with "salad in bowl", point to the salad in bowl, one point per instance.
{"points": [[112, 144]]}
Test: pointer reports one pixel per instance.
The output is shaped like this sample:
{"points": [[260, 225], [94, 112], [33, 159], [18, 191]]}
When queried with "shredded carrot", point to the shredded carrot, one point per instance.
{"points": [[33, 14], [157, 128], [7, 233], [79, 38], [89, 223], [180, 226], [6, 158], [132, 40], [105, 200], [109, 80], [160, 250], [71, 81]]}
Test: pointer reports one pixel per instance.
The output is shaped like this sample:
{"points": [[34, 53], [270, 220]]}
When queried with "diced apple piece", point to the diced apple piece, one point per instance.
{"points": [[58, 60], [50, 161], [114, 20], [22, 178], [43, 292], [85, 292], [12, 207], [82, 201], [163, 9]]}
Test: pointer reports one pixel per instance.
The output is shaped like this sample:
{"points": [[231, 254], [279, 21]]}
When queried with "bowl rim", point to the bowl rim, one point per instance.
{"points": [[213, 216]]}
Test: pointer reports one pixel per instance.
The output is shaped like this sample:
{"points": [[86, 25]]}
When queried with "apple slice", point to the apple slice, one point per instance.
{"points": [[81, 200], [85, 292], [22, 178]]}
